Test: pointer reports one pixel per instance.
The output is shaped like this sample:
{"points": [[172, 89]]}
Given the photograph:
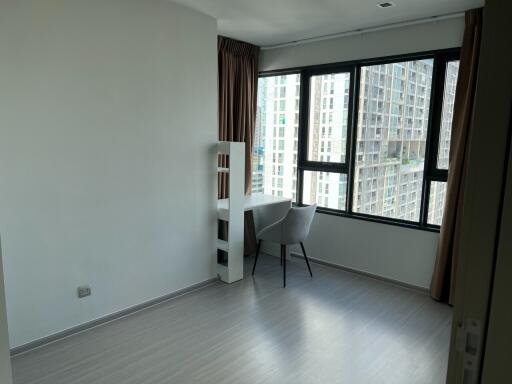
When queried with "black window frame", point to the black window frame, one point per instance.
{"points": [[431, 172]]}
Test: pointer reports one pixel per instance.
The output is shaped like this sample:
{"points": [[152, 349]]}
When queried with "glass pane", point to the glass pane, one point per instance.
{"points": [[276, 136], [445, 134], [327, 189], [391, 138], [328, 117], [436, 202]]}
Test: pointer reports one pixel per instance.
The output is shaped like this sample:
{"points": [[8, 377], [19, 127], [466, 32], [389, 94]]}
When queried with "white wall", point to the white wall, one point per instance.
{"points": [[416, 38], [397, 253], [5, 357], [401, 254], [108, 111]]}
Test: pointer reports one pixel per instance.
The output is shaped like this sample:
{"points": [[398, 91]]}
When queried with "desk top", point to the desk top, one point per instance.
{"points": [[256, 200]]}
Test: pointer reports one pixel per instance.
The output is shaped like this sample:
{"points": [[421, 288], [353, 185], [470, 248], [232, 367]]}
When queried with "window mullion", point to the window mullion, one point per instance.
{"points": [[352, 134], [303, 131], [432, 143]]}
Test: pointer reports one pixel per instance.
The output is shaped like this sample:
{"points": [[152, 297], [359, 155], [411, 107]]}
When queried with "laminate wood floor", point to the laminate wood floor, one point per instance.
{"points": [[335, 328]]}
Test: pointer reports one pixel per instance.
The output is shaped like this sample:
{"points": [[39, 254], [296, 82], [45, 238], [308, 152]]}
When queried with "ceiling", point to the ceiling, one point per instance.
{"points": [[270, 22]]}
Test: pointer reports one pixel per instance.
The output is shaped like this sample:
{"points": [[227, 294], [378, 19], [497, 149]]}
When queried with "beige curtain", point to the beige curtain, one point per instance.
{"points": [[444, 278], [238, 91]]}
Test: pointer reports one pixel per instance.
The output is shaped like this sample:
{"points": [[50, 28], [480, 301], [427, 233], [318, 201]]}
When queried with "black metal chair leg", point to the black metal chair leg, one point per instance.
{"points": [[256, 258], [305, 257], [283, 257]]}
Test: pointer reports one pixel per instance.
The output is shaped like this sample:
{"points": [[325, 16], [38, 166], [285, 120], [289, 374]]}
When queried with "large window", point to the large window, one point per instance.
{"points": [[368, 139]]}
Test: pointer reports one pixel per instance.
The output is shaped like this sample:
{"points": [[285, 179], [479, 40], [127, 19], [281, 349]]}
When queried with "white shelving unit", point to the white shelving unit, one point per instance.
{"points": [[233, 212]]}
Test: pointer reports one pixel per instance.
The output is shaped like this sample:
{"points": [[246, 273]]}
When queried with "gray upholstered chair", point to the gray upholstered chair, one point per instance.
{"points": [[291, 229]]}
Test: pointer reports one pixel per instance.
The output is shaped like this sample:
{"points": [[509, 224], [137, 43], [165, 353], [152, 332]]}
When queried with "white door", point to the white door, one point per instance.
{"points": [[498, 354], [479, 268]]}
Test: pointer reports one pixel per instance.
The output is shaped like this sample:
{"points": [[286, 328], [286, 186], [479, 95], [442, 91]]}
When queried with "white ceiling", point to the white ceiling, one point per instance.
{"points": [[270, 22]]}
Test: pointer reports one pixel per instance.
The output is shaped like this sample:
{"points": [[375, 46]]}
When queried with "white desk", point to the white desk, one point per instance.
{"points": [[267, 209], [256, 201]]}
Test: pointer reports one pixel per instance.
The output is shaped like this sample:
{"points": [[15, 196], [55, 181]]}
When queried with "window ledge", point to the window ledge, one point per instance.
{"points": [[380, 220]]}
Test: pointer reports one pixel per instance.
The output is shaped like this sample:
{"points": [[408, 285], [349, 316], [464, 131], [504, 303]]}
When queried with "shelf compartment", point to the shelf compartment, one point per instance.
{"points": [[223, 245], [223, 214]]}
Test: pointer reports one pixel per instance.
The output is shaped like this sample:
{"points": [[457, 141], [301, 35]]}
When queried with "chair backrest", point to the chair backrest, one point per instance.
{"points": [[296, 224]]}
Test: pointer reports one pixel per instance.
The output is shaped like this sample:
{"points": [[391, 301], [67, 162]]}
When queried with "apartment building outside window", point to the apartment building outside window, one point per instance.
{"points": [[370, 139], [285, 90]]}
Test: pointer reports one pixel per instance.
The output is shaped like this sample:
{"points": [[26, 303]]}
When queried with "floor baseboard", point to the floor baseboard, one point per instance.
{"points": [[106, 319], [139, 307], [365, 274]]}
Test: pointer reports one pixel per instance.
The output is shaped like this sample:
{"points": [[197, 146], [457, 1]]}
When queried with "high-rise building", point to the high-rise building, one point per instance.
{"points": [[391, 139], [276, 136]]}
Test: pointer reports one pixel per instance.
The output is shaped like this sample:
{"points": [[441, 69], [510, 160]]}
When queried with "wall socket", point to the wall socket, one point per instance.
{"points": [[83, 291]]}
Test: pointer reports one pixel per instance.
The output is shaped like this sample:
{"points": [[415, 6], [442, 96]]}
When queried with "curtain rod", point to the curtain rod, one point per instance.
{"points": [[361, 31]]}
